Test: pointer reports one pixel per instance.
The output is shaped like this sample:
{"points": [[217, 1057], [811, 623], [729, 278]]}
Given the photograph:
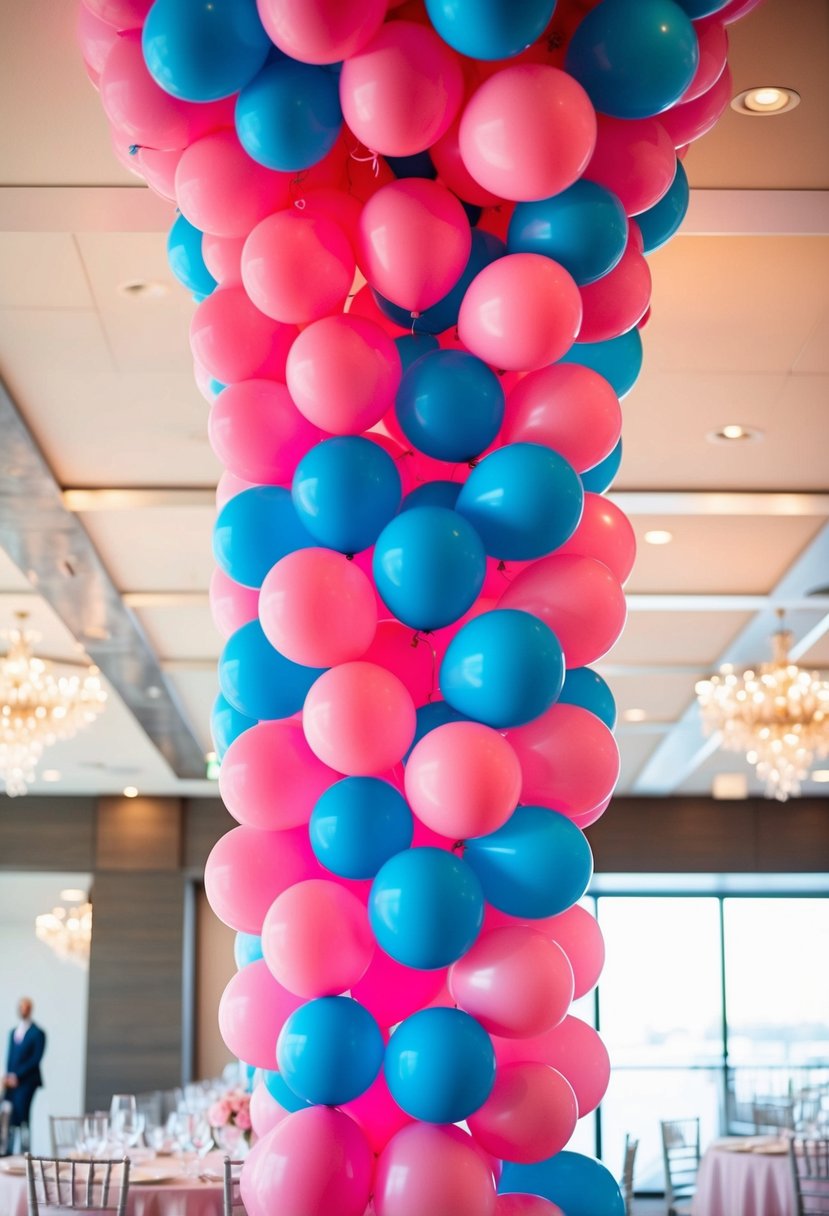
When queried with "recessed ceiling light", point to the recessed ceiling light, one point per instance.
{"points": [[144, 289], [658, 536], [153, 691], [735, 432], [820, 775], [50, 774], [130, 791], [71, 895], [729, 787], [635, 715], [765, 99]]}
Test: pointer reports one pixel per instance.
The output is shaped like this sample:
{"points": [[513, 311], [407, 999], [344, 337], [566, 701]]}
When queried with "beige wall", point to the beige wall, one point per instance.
{"points": [[214, 967]]}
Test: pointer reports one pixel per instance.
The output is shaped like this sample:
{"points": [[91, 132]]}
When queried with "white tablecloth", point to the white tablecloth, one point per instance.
{"points": [[751, 1183], [182, 1197]]}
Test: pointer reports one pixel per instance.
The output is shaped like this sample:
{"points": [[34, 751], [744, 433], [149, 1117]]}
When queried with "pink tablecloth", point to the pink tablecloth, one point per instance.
{"points": [[182, 1197], [743, 1184]]}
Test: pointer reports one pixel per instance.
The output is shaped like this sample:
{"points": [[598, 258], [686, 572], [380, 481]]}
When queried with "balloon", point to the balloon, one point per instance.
{"points": [[736, 10], [345, 491], [323, 32], [463, 779], [247, 949], [415, 242], [228, 487], [289, 117], [412, 346], [330, 1050], [316, 938], [377, 1113], [357, 825], [259, 681], [336, 204], [391, 991], [636, 160], [258, 433], [122, 14], [439, 1065], [494, 29], [660, 222], [141, 112], [536, 865], [204, 51], [574, 1049], [520, 313], [297, 268], [270, 779], [184, 253], [524, 500], [615, 303], [359, 718], [570, 408], [687, 122], [569, 760], [417, 165], [584, 687], [525, 1205], [158, 168], [343, 373], [530, 1114], [412, 659], [445, 154], [226, 724], [265, 1111], [282, 1093], [247, 869], [429, 717], [235, 341], [426, 908], [450, 405], [579, 935], [604, 532], [429, 566], [618, 360], [433, 494], [223, 191], [700, 8], [252, 1011], [584, 229], [713, 56], [223, 257], [433, 1169], [515, 981], [254, 530], [578, 1184], [402, 90], [231, 604], [600, 478]]}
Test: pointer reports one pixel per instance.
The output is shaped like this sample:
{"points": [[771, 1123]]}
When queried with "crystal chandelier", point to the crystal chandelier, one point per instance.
{"points": [[37, 708], [777, 715], [67, 931]]}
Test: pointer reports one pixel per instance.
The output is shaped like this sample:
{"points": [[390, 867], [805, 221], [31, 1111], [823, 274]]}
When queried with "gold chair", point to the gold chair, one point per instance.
{"points": [[626, 1181], [64, 1186], [681, 1156], [810, 1175]]}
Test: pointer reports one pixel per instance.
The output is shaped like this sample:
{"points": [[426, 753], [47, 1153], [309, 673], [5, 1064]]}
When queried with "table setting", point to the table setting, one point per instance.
{"points": [[749, 1175]]}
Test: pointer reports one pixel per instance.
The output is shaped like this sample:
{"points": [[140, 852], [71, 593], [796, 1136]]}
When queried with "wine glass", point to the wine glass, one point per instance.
{"points": [[95, 1134], [122, 1102]]}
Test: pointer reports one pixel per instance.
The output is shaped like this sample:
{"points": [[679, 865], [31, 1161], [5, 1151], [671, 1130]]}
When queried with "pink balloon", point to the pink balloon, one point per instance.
{"points": [[605, 533], [687, 122], [234, 341], [428, 1169], [96, 39], [591, 817], [316, 939], [463, 779], [229, 486], [265, 1111], [270, 779], [634, 159], [415, 665], [343, 373], [528, 132], [569, 759], [231, 604], [579, 935], [390, 991], [221, 190], [578, 597], [135, 104], [122, 14], [525, 1205], [359, 719], [514, 980], [574, 1049], [296, 267], [530, 1114], [520, 312], [736, 10], [446, 156], [323, 32], [247, 869], [377, 1114], [318, 608], [415, 241], [252, 1011], [336, 205], [258, 433], [712, 37], [364, 305], [158, 168], [223, 257], [402, 90], [617, 301], [569, 408], [316, 1162]]}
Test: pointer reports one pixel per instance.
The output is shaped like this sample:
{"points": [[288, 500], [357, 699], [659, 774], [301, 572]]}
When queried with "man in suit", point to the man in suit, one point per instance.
{"points": [[26, 1046]]}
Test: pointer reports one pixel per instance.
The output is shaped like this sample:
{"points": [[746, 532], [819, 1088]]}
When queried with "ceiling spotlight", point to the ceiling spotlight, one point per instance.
{"points": [[658, 536], [50, 774], [153, 691], [73, 895], [734, 432], [820, 775], [765, 99], [144, 289], [130, 791], [634, 715]]}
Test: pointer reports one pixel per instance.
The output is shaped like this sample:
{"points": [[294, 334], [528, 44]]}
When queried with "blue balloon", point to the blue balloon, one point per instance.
{"points": [[257, 680], [201, 50], [450, 405], [345, 491], [430, 717], [440, 1065], [226, 724], [282, 1093], [473, 211], [184, 253], [619, 360], [412, 346], [659, 223], [584, 229], [701, 8], [433, 494], [288, 118], [503, 668], [330, 1050], [418, 165], [579, 1185], [429, 567], [524, 500], [254, 530], [247, 948], [358, 824], [585, 687], [538, 864], [600, 477], [634, 58], [490, 29], [426, 908]]}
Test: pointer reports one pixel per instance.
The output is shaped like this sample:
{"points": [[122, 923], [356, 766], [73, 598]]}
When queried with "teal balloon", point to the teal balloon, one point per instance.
{"points": [[202, 50], [440, 1065], [288, 118], [430, 717], [584, 229], [524, 500], [426, 908], [247, 948], [226, 724], [619, 360], [450, 405], [330, 1050], [433, 494], [412, 346], [345, 491], [282, 1092], [634, 58], [701, 8], [661, 221], [254, 530], [260, 682], [429, 567], [586, 688], [600, 477], [579, 1185], [538, 864], [184, 253], [358, 824], [490, 29]]}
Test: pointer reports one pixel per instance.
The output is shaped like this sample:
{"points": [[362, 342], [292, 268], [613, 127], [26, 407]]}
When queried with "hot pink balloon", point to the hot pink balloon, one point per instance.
{"points": [[158, 168], [258, 433], [234, 341], [574, 1049], [391, 991], [463, 779], [578, 597], [415, 242], [616, 302], [343, 373], [96, 39], [528, 132], [296, 267], [591, 817], [446, 156], [605, 533], [525, 1205], [265, 1111], [135, 104], [736, 10], [430, 1169], [634, 159], [414, 665], [569, 759], [122, 14], [570, 408], [337, 205], [247, 869], [364, 305], [316, 939], [228, 487], [231, 604], [252, 1011], [221, 190], [687, 122], [712, 38], [326, 31], [270, 779], [520, 312], [579, 935], [530, 1114], [359, 719], [377, 1114], [223, 257]]}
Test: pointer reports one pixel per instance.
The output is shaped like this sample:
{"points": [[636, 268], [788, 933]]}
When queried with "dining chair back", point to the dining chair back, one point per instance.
{"points": [[65, 1132], [773, 1115], [5, 1126], [56, 1185], [233, 1205], [626, 1181], [810, 1175], [681, 1156]]}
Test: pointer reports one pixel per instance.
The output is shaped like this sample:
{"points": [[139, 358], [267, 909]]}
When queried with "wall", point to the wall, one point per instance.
{"points": [[214, 967]]}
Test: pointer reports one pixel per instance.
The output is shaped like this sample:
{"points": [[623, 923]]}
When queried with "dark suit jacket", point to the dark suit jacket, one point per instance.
{"points": [[23, 1059]]}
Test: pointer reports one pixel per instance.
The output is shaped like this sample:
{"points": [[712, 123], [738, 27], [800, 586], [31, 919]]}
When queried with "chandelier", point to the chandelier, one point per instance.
{"points": [[777, 715], [37, 708], [67, 931]]}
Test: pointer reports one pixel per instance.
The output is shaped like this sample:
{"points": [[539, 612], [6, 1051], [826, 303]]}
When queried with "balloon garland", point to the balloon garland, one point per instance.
{"points": [[416, 566]]}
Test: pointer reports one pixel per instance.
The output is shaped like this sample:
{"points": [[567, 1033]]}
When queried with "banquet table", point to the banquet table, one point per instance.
{"points": [[745, 1177]]}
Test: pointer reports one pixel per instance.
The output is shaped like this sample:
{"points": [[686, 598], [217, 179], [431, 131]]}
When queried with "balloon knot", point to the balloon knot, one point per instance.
{"points": [[474, 462], [415, 640], [372, 159], [134, 148], [502, 565], [459, 844], [300, 204], [349, 557]]}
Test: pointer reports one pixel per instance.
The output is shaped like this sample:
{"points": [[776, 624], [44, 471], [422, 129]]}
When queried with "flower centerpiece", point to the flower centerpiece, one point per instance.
{"points": [[229, 1118]]}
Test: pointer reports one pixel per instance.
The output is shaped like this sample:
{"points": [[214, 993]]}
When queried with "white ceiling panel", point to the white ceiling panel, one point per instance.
{"points": [[695, 638], [181, 632], [663, 697], [42, 270], [634, 750], [197, 690], [69, 339], [156, 548], [11, 579], [814, 356]]}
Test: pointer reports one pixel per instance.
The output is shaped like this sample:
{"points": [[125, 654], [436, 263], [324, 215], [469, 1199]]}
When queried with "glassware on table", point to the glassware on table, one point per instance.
{"points": [[122, 1102], [94, 1134]]}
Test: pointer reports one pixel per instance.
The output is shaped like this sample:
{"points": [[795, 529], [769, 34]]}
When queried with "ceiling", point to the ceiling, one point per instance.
{"points": [[739, 332]]}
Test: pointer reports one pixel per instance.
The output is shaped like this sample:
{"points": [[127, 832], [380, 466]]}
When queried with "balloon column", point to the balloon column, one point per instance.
{"points": [[417, 235]]}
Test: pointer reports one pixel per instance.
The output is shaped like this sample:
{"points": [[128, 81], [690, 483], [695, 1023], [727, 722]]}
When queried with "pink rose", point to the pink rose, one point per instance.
{"points": [[243, 1120], [219, 1113]]}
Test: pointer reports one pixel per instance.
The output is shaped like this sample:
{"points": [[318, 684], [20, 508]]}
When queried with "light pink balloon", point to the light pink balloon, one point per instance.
{"points": [[377, 1114], [316, 1162], [634, 159], [570, 408], [135, 104], [359, 719], [228, 487], [528, 132], [335, 204], [270, 779], [231, 604], [223, 257], [605, 533], [574, 1049], [530, 1114], [414, 665], [687, 122], [712, 37], [343, 373], [96, 39], [402, 90], [578, 597], [415, 242], [316, 939], [326, 31], [234, 341], [525, 1205], [158, 168], [617, 301], [428, 1169], [569, 759], [222, 190], [580, 937], [391, 991], [258, 433], [122, 14], [463, 779], [515, 981], [446, 156], [265, 1111], [296, 267], [520, 312], [252, 1011], [247, 869]]}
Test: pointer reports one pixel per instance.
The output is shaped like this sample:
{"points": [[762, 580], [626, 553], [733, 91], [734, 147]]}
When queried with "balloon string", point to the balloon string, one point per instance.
{"points": [[502, 570], [372, 159], [417, 638]]}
